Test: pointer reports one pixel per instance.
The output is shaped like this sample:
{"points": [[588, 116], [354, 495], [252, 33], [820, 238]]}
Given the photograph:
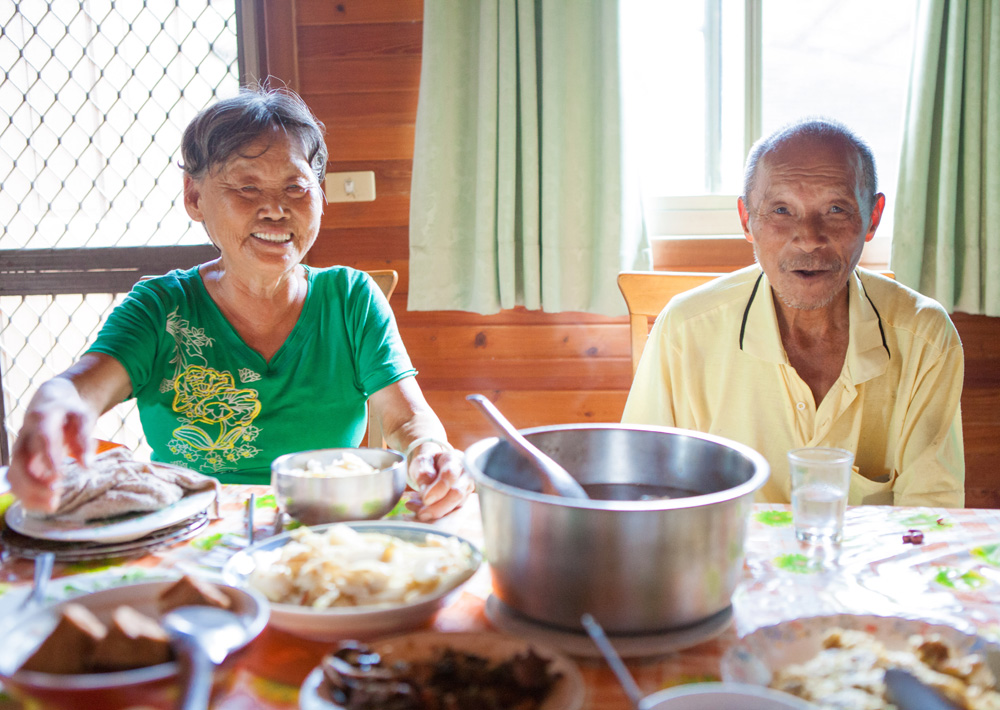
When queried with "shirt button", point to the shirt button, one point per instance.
{"points": [[800, 406]]}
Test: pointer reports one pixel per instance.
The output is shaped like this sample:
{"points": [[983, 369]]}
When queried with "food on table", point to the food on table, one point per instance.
{"points": [[848, 673], [191, 591], [347, 465], [114, 485], [133, 640], [341, 567], [358, 678], [82, 643], [71, 642]]}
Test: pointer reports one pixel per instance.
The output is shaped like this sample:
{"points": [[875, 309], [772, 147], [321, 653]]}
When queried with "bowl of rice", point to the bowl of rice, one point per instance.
{"points": [[337, 485], [354, 580]]}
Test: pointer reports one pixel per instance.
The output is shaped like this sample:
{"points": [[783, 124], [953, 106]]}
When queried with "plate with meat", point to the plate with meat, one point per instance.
{"points": [[435, 669]]}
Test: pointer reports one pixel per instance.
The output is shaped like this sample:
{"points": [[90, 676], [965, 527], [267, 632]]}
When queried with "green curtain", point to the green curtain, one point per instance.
{"points": [[946, 241], [518, 194]]}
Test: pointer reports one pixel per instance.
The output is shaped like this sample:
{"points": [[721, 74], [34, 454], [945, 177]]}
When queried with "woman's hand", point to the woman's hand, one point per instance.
{"points": [[57, 423], [441, 482]]}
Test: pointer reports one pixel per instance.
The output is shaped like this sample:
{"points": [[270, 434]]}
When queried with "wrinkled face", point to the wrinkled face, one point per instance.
{"points": [[808, 219], [262, 208]]}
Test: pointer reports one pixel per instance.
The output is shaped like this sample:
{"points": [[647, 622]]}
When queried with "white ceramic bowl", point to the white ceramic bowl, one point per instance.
{"points": [[153, 687], [723, 696], [360, 622], [567, 694]]}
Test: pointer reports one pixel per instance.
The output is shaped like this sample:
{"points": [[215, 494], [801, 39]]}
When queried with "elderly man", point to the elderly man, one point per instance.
{"points": [[804, 348]]}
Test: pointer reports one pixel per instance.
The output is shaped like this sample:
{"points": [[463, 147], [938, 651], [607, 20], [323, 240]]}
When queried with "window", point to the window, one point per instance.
{"points": [[705, 78]]}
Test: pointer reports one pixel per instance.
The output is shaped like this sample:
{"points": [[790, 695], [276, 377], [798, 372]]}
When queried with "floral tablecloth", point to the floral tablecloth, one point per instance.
{"points": [[937, 563]]}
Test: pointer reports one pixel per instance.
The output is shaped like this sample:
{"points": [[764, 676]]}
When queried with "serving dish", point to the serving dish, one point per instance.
{"points": [[151, 687], [360, 622], [757, 656], [723, 696], [111, 530], [568, 693]]}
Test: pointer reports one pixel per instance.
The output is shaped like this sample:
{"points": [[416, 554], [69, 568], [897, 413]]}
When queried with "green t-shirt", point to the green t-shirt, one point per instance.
{"points": [[209, 402]]}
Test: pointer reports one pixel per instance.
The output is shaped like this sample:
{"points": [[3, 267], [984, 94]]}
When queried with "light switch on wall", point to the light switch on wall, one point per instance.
{"points": [[350, 187]]}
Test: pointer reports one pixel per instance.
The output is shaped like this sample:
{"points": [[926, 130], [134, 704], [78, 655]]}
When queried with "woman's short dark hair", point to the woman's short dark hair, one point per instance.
{"points": [[223, 129]]}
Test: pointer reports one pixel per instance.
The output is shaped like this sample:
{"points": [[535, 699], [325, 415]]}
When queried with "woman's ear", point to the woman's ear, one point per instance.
{"points": [[192, 198]]}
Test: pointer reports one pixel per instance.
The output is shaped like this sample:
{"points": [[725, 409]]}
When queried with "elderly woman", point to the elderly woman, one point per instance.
{"points": [[254, 354]]}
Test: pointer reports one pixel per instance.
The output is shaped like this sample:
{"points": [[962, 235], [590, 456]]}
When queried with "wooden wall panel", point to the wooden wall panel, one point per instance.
{"points": [[358, 66]]}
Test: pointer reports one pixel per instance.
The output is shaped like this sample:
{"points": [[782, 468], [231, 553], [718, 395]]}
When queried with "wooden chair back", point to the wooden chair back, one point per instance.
{"points": [[647, 292]]}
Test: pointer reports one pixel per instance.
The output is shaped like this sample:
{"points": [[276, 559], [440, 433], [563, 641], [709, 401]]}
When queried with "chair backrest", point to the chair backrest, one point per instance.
{"points": [[386, 280], [647, 292]]}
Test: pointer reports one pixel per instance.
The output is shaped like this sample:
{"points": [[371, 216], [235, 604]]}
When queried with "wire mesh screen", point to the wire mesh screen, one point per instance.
{"points": [[95, 96]]}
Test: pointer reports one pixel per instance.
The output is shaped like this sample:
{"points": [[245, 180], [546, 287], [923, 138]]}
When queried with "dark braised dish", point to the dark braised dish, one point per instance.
{"points": [[357, 678]]}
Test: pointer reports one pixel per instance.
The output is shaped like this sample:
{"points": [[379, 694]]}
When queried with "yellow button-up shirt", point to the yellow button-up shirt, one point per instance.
{"points": [[715, 363]]}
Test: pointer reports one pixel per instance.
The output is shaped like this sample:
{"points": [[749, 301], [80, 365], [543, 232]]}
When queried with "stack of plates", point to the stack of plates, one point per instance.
{"points": [[27, 535]]}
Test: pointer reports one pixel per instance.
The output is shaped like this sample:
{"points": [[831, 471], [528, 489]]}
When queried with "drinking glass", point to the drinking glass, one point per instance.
{"points": [[821, 477]]}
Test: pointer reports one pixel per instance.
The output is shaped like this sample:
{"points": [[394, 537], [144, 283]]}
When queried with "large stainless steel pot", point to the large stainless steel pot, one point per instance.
{"points": [[637, 566]]}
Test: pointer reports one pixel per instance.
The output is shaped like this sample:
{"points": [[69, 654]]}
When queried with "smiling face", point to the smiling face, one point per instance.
{"points": [[808, 219], [262, 207]]}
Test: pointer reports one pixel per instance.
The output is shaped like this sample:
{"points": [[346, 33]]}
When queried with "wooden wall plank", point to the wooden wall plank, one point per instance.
{"points": [[354, 108], [386, 39], [369, 142], [333, 76], [466, 375], [517, 342], [329, 12]]}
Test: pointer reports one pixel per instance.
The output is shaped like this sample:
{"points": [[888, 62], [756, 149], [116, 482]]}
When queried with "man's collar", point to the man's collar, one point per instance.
{"points": [[867, 351]]}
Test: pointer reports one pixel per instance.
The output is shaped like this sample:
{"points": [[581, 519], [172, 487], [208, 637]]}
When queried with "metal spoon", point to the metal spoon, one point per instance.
{"points": [[628, 683], [205, 636], [554, 478], [43, 573]]}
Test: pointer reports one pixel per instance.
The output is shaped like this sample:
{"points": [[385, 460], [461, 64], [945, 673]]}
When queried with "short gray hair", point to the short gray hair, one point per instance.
{"points": [[223, 129], [824, 128]]}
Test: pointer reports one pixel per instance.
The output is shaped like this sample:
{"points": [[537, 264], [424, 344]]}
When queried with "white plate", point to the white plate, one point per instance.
{"points": [[568, 693], [723, 696], [755, 657], [118, 529], [361, 622]]}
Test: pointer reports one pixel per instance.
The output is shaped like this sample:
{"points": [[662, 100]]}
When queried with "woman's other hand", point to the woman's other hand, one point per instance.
{"points": [[442, 484]]}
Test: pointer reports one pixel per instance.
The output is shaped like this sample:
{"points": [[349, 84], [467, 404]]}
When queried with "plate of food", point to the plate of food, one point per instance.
{"points": [[473, 669], [354, 580], [107, 649], [839, 661], [117, 499]]}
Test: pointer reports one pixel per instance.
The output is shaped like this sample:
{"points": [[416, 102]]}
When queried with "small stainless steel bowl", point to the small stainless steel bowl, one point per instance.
{"points": [[316, 500]]}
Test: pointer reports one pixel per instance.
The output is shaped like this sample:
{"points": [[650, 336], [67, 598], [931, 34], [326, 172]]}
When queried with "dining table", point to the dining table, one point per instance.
{"points": [[935, 563]]}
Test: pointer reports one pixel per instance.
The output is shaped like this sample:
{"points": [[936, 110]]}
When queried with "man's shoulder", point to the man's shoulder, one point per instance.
{"points": [[904, 309], [718, 295]]}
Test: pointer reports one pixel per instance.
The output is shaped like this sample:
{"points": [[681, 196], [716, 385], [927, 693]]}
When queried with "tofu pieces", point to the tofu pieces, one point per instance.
{"points": [[191, 591], [67, 649], [133, 641]]}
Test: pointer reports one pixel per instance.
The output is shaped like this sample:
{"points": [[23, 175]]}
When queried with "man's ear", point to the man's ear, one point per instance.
{"points": [[192, 198], [876, 216], [744, 218]]}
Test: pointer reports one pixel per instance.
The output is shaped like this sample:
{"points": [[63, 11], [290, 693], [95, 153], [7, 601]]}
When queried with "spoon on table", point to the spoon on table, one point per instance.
{"points": [[204, 636], [625, 678], [554, 478], [43, 573]]}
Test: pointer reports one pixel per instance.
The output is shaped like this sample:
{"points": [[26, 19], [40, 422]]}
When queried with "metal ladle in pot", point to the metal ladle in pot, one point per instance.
{"points": [[554, 478]]}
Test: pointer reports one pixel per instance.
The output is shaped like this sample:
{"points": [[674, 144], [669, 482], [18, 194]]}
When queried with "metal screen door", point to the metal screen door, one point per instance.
{"points": [[93, 100]]}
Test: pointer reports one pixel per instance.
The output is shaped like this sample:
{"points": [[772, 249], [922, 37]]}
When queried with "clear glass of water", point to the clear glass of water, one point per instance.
{"points": [[821, 477]]}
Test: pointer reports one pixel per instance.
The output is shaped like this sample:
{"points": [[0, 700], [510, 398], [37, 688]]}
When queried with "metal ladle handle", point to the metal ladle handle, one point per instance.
{"points": [[602, 642], [554, 478]]}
